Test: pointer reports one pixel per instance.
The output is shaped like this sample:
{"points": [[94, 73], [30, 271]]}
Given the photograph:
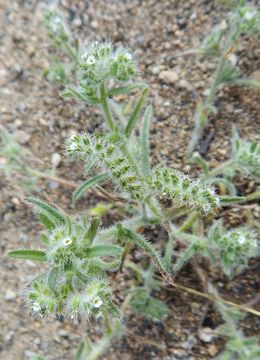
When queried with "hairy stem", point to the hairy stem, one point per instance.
{"points": [[105, 106]]}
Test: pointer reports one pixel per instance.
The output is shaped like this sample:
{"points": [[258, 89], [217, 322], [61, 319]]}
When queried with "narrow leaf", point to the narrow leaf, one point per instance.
{"points": [[128, 235], [45, 239], [103, 250], [70, 92], [246, 82], [52, 279], [98, 179], [51, 212], [133, 118], [108, 265], [28, 254], [49, 225], [226, 200], [92, 231], [201, 162], [126, 89], [82, 277], [144, 137], [228, 184]]}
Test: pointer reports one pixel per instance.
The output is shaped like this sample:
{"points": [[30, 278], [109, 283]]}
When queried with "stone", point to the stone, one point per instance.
{"points": [[169, 76], [205, 334], [23, 137], [8, 339], [55, 160], [10, 295]]}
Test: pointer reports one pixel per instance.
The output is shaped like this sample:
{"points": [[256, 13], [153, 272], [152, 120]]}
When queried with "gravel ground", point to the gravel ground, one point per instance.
{"points": [[31, 107]]}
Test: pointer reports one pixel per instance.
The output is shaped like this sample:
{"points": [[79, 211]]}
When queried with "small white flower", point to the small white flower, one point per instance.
{"points": [[55, 24], [233, 59], [249, 15], [91, 60], [36, 307], [128, 56], [73, 146], [84, 56], [67, 242], [97, 302], [241, 240]]}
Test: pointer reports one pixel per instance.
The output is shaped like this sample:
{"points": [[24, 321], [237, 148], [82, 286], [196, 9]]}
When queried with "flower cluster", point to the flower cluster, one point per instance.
{"points": [[236, 247], [248, 19], [105, 148], [211, 45], [247, 156], [79, 146], [179, 187], [93, 300], [56, 27], [100, 62], [76, 281]]}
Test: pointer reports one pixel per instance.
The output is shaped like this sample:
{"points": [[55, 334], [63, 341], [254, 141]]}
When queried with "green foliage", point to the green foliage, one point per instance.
{"points": [[143, 303], [50, 212], [59, 72], [80, 253], [88, 184], [221, 44], [182, 189], [245, 156], [27, 254], [236, 247]]}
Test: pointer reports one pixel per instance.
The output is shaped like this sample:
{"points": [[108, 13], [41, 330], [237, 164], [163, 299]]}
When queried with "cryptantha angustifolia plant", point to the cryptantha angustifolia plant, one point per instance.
{"points": [[60, 72], [221, 45], [80, 253]]}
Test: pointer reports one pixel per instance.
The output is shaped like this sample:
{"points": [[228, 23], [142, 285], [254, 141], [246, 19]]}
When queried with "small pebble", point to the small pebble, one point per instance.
{"points": [[23, 137], [55, 160], [205, 334], [169, 76], [8, 339], [64, 334], [10, 295]]}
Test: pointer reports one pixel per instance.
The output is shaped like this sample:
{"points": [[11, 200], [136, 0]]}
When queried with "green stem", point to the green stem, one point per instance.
{"points": [[71, 52], [188, 223], [201, 117], [220, 169], [106, 109], [123, 148]]}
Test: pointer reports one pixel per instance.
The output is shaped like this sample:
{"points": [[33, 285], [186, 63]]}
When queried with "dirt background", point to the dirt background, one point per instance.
{"points": [[30, 106]]}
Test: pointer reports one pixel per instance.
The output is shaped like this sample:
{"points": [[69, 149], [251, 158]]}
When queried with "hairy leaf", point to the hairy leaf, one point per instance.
{"points": [[49, 225], [144, 138], [134, 117], [86, 185], [226, 200], [51, 212], [126, 89], [28, 254], [52, 279], [92, 231], [103, 250], [128, 235]]}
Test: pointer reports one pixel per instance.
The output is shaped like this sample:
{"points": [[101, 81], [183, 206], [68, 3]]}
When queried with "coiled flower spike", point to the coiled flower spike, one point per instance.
{"points": [[177, 186]]}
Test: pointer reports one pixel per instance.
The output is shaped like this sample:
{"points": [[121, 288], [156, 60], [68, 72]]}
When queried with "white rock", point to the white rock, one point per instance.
{"points": [[206, 334], [10, 295], [55, 160]]}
